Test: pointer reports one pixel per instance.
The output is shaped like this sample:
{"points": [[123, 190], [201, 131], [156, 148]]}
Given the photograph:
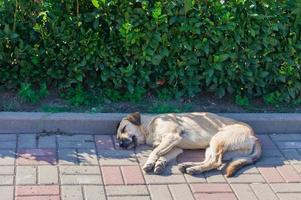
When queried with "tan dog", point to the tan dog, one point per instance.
{"points": [[224, 140]]}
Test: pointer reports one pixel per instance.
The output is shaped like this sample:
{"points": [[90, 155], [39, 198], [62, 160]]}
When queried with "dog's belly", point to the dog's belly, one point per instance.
{"points": [[194, 141]]}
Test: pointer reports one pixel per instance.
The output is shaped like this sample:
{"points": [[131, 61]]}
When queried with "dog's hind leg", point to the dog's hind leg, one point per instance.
{"points": [[166, 145], [183, 166], [163, 160], [214, 161]]}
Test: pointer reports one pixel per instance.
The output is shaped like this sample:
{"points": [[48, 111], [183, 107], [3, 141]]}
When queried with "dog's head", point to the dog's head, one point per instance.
{"points": [[129, 133]]}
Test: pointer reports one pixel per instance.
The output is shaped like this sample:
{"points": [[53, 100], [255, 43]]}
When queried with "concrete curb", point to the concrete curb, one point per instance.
{"points": [[105, 123]]}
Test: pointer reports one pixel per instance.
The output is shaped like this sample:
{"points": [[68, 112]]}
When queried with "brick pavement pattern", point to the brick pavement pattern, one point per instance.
{"points": [[93, 167]]}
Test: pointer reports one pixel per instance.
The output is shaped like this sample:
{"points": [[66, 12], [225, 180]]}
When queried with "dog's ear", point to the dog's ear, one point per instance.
{"points": [[117, 126], [134, 118]]}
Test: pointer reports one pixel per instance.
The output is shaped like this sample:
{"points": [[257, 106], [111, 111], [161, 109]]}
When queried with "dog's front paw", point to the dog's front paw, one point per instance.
{"points": [[159, 167], [148, 167]]}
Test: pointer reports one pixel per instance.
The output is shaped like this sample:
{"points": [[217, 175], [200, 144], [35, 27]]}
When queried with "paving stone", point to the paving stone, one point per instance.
{"points": [[159, 192], [76, 144], [117, 157], [263, 191], [293, 156], [171, 168], [6, 179], [271, 153], [214, 176], [286, 187], [111, 175], [8, 137], [129, 198], [76, 141], [7, 192], [74, 138], [285, 137], [116, 144], [271, 174], [47, 175], [67, 156], [200, 178], [270, 162], [73, 192], [7, 170], [289, 196], [47, 141], [26, 175], [266, 142], [298, 168], [289, 145], [289, 173], [7, 157], [37, 152], [8, 144], [142, 153], [27, 141], [125, 190], [37, 190], [37, 160], [104, 142], [180, 192], [215, 196], [191, 156], [209, 188], [161, 179], [249, 169], [87, 157], [38, 197], [79, 170], [244, 192], [246, 178], [81, 179], [92, 192], [37, 156], [132, 175]]}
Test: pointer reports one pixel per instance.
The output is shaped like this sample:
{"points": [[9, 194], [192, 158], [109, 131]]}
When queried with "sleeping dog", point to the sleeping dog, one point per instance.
{"points": [[224, 140]]}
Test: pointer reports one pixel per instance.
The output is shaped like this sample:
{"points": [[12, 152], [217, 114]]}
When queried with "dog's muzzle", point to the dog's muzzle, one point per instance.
{"points": [[125, 143]]}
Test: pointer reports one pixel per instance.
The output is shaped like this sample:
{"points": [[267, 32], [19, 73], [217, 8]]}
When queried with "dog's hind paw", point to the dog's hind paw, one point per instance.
{"points": [[148, 167], [193, 171], [183, 166]]}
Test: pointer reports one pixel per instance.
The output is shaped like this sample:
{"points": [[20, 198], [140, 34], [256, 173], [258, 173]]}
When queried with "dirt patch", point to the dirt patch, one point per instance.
{"points": [[10, 101]]}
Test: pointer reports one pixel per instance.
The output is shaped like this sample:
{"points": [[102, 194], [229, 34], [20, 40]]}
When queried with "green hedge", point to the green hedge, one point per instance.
{"points": [[127, 48]]}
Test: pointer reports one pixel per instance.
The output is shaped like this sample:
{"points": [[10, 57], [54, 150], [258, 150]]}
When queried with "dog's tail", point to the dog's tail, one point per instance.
{"points": [[238, 163]]}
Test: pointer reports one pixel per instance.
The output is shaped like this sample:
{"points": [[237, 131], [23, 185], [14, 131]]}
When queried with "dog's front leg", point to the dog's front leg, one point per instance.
{"points": [[167, 143], [163, 160]]}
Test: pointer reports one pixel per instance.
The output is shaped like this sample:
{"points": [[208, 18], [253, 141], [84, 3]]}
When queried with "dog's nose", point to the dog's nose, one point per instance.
{"points": [[124, 143]]}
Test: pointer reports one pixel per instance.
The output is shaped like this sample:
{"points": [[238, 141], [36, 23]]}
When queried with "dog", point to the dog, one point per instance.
{"points": [[223, 138]]}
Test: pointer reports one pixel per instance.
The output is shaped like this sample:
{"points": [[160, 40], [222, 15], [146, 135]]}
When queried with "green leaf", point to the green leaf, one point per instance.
{"points": [[95, 3], [188, 4], [156, 59], [220, 58]]}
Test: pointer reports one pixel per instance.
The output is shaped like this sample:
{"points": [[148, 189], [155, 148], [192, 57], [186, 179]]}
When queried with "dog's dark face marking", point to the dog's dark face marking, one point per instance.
{"points": [[128, 133]]}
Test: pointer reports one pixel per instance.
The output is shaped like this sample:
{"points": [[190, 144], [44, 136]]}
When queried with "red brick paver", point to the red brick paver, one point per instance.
{"points": [[37, 190], [132, 175], [215, 196], [94, 167], [112, 175]]}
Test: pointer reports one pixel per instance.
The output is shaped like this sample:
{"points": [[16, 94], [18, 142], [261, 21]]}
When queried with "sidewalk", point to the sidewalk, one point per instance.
{"points": [[92, 167]]}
